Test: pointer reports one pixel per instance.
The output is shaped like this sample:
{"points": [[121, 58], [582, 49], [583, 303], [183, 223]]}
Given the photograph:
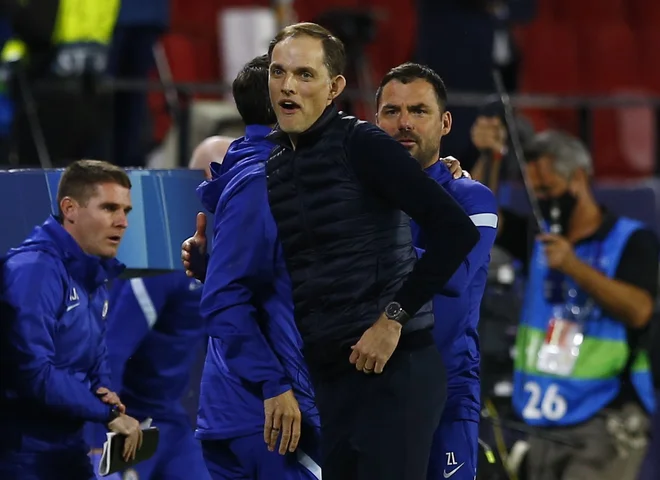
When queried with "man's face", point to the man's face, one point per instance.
{"points": [[410, 113], [99, 225], [546, 183], [557, 196], [300, 84]]}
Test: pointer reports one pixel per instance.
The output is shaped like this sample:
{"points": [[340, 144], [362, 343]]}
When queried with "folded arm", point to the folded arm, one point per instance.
{"points": [[385, 166]]}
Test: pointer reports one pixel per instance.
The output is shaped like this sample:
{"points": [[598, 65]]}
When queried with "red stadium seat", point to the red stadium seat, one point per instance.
{"points": [[591, 12], [550, 65], [644, 13], [623, 138], [608, 58], [550, 61], [546, 10], [624, 142], [648, 46]]}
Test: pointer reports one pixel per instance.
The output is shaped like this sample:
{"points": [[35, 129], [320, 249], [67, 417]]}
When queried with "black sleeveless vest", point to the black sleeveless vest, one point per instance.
{"points": [[346, 250]]}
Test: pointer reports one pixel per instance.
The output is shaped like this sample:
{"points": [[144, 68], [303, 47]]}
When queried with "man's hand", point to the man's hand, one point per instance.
{"points": [[454, 167], [130, 428], [488, 133], [374, 349], [282, 414], [193, 251], [111, 398], [558, 252]]}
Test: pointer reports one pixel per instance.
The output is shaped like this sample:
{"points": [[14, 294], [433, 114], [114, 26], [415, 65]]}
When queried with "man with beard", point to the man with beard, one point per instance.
{"points": [[411, 105]]}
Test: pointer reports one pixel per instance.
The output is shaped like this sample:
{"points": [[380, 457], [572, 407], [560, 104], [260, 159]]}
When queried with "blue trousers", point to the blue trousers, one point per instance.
{"points": [[454, 451], [248, 458], [72, 465]]}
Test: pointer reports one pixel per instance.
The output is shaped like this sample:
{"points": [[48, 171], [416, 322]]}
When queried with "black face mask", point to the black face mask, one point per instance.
{"points": [[557, 212]]}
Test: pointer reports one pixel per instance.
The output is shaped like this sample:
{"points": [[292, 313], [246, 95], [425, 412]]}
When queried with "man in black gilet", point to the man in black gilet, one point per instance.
{"points": [[340, 191]]}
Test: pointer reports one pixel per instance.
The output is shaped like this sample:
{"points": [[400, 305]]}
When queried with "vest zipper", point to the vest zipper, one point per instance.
{"points": [[303, 213]]}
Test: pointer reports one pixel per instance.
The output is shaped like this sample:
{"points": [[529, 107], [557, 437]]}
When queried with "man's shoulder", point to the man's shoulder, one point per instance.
{"points": [[249, 179], [46, 263], [362, 127], [33, 273], [641, 237], [473, 196]]}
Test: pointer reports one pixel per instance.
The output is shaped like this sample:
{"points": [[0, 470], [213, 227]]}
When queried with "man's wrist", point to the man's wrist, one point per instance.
{"points": [[391, 325], [572, 267], [113, 414], [394, 311]]}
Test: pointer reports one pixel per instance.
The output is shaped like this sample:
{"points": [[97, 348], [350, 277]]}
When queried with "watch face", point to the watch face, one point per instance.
{"points": [[393, 309]]}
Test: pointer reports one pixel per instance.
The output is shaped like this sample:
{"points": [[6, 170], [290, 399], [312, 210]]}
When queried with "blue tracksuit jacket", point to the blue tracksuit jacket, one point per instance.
{"points": [[154, 336], [54, 300], [456, 318], [254, 348]]}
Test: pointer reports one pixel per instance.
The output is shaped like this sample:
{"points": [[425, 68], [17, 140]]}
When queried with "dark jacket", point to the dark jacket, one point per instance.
{"points": [[346, 241]]}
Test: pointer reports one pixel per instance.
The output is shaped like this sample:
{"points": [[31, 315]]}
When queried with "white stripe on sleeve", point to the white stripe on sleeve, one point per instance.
{"points": [[484, 220], [144, 300]]}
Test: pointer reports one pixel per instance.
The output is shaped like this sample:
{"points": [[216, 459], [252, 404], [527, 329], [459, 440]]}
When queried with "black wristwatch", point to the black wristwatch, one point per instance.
{"points": [[114, 413], [393, 311]]}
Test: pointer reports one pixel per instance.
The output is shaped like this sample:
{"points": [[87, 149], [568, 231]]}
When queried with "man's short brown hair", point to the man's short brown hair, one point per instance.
{"points": [[333, 48], [80, 179]]}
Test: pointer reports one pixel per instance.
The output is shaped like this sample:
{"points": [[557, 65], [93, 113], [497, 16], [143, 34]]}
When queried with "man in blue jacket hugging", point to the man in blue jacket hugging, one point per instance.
{"points": [[253, 363]]}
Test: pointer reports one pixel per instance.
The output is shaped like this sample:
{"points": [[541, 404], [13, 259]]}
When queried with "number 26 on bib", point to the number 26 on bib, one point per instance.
{"points": [[549, 404]]}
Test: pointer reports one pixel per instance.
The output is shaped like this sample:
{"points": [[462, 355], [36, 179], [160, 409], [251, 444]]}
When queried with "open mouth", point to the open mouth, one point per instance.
{"points": [[114, 238], [288, 106]]}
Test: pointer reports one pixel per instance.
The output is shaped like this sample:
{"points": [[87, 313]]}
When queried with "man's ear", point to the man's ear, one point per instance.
{"points": [[447, 121], [69, 209], [337, 87]]}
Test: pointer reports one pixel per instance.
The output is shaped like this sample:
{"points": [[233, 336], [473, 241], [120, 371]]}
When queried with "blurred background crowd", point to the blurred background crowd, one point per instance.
{"points": [[141, 83]]}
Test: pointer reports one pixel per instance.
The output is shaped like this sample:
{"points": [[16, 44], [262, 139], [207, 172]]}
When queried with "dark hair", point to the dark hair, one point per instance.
{"points": [[333, 48], [408, 73], [80, 179], [250, 90]]}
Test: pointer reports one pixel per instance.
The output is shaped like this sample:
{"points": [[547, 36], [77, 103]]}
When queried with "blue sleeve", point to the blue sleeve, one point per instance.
{"points": [[241, 263], [34, 290], [480, 204], [101, 373], [137, 305]]}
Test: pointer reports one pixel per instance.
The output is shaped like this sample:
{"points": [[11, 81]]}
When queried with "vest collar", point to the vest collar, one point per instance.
{"points": [[309, 136]]}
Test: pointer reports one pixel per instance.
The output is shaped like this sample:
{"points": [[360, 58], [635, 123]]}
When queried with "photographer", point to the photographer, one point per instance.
{"points": [[581, 363]]}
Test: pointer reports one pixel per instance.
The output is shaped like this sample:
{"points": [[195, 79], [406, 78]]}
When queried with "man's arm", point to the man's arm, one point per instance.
{"points": [[34, 291], [630, 295], [241, 262], [480, 204], [385, 166], [101, 375]]}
